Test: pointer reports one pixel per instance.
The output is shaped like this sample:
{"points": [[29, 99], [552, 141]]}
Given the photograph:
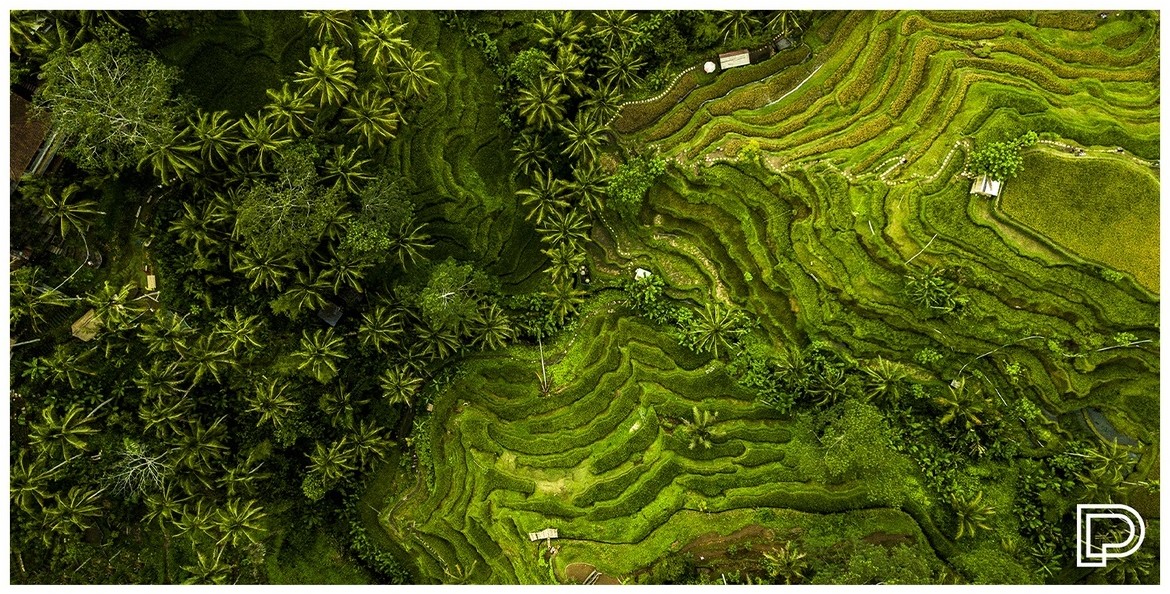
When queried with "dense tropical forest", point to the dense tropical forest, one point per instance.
{"points": [[674, 297]]}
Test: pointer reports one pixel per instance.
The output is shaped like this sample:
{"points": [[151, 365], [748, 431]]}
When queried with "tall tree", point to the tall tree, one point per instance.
{"points": [[327, 75], [380, 39], [260, 140], [288, 109], [331, 26], [112, 99], [216, 135], [584, 137], [320, 354], [371, 117], [413, 73], [399, 385], [543, 104], [65, 206], [59, 437], [271, 401], [559, 30], [545, 196]]}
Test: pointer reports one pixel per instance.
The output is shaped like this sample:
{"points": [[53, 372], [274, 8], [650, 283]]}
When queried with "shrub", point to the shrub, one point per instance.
{"points": [[629, 184]]}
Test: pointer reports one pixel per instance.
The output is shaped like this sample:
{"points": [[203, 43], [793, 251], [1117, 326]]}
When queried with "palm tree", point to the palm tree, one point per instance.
{"points": [[530, 153], [65, 365], [164, 505], [369, 443], [60, 437], [492, 328], [380, 40], [164, 415], [399, 385], [330, 26], [614, 27], [320, 353], [622, 68], [565, 227], [264, 270], [346, 168], [339, 405], [165, 331], [412, 73], [698, 430], [261, 138], [409, 242], [713, 327], [737, 24], [438, 342], [971, 514], [568, 71], [962, 404], [197, 446], [334, 462], [196, 230], [30, 297], [565, 300], [243, 478], [173, 158], [544, 196], [380, 328], [603, 102], [214, 135], [239, 521], [196, 519], [308, 293], [30, 482], [67, 208], [289, 110], [884, 380], [113, 306], [584, 138], [589, 187], [830, 386], [786, 22], [208, 355], [543, 104], [565, 260], [160, 379], [345, 268], [559, 30], [327, 76], [272, 403], [240, 331], [371, 117], [209, 568], [787, 563], [74, 511]]}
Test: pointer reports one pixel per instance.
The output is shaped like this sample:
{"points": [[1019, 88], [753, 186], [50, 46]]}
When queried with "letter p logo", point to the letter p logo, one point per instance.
{"points": [[1091, 554]]}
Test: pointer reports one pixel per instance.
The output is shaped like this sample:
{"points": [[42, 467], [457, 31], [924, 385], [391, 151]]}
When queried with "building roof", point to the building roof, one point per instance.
{"points": [[733, 59], [26, 134], [331, 313], [641, 273], [86, 327], [543, 534], [985, 186]]}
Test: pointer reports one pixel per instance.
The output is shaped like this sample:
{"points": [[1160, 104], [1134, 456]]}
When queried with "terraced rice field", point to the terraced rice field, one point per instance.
{"points": [[853, 177], [1103, 209]]}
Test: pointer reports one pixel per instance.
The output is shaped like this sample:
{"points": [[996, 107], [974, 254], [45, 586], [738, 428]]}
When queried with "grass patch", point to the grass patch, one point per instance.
{"points": [[1104, 209]]}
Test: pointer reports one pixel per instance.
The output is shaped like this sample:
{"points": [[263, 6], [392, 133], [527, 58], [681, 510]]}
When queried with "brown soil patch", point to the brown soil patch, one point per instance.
{"points": [[713, 546], [888, 540], [579, 572]]}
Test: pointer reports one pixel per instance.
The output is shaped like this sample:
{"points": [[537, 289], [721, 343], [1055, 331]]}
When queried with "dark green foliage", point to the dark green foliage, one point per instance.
{"points": [[628, 185], [1002, 160], [289, 214], [113, 98]]}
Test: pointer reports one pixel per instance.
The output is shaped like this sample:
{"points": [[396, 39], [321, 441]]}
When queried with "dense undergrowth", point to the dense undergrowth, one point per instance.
{"points": [[843, 367]]}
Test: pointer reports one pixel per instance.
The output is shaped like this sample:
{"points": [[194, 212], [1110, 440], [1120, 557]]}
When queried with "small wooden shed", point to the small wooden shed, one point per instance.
{"points": [[86, 327], [547, 533], [985, 186], [733, 59]]}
